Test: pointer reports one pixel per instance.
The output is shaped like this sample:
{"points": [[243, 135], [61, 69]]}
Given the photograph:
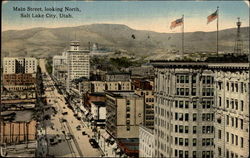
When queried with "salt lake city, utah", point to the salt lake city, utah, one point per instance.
{"points": [[129, 79]]}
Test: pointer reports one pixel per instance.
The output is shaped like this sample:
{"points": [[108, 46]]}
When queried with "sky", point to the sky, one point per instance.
{"points": [[141, 15]]}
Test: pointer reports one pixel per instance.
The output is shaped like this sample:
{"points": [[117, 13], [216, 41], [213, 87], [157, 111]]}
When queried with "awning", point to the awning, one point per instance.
{"points": [[118, 150], [106, 136], [114, 146]]}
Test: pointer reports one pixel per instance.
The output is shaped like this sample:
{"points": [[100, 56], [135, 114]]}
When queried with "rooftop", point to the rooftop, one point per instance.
{"points": [[98, 94], [122, 94], [99, 103], [18, 116]]}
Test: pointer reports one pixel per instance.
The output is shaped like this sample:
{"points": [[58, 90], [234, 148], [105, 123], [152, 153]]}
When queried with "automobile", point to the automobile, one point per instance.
{"points": [[63, 120], [53, 141], [65, 113], [78, 127], [93, 143], [64, 107], [84, 133], [68, 136]]}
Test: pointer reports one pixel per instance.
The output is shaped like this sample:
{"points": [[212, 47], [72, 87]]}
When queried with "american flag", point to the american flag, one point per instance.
{"points": [[212, 17], [176, 23]]}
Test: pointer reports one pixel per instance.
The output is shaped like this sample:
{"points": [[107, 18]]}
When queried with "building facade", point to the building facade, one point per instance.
{"points": [[231, 109], [98, 111], [101, 86], [77, 63], [183, 110], [15, 65], [18, 127], [59, 69], [146, 142], [124, 114], [118, 76]]}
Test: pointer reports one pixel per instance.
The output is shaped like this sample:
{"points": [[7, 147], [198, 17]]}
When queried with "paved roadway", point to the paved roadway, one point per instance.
{"points": [[79, 144]]}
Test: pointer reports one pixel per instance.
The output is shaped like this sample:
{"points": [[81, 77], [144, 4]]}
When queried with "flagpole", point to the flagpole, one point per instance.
{"points": [[217, 30], [183, 35]]}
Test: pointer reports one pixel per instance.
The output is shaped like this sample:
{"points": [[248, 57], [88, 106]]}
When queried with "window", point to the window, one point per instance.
{"points": [[176, 152], [241, 142], [193, 91], [194, 104], [180, 153], [236, 122], [176, 140], [232, 121], [182, 91], [227, 120], [186, 104], [194, 129], [176, 128], [241, 87], [227, 102], [241, 123], [128, 102], [186, 154], [194, 117], [236, 140], [128, 116], [186, 141], [181, 141], [194, 141], [232, 138], [236, 104], [128, 128], [181, 104], [181, 129], [194, 154], [203, 142], [227, 137], [241, 105], [186, 129], [219, 151], [186, 117], [219, 134], [232, 87], [219, 101]]}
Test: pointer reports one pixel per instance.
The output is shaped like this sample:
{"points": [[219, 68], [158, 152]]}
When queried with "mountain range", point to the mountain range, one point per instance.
{"points": [[47, 42]]}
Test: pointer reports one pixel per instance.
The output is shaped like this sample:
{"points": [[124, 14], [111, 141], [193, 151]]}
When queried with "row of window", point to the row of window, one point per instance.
{"points": [[235, 122], [234, 87], [234, 139], [205, 154]]}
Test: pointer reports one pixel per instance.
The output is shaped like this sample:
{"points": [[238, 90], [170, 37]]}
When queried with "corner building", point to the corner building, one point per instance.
{"points": [[231, 110], [183, 110]]}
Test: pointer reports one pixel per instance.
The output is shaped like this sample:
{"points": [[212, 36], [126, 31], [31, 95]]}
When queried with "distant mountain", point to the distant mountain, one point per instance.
{"points": [[44, 42]]}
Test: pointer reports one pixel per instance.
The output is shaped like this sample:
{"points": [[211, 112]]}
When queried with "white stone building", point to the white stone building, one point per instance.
{"points": [[146, 142], [231, 109], [14, 65], [77, 63], [183, 110], [214, 97], [59, 69]]}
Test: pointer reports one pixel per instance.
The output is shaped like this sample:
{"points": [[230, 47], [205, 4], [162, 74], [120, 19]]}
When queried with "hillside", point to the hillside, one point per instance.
{"points": [[44, 42]]}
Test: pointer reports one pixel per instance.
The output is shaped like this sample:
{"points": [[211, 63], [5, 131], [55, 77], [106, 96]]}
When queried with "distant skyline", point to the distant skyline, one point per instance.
{"points": [[140, 15]]}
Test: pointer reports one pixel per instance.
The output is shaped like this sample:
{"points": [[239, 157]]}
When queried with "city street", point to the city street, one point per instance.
{"points": [[73, 143]]}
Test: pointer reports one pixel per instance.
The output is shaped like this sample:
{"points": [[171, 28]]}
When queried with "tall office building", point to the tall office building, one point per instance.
{"points": [[15, 65], [231, 110], [77, 63], [201, 109], [59, 69], [183, 109]]}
